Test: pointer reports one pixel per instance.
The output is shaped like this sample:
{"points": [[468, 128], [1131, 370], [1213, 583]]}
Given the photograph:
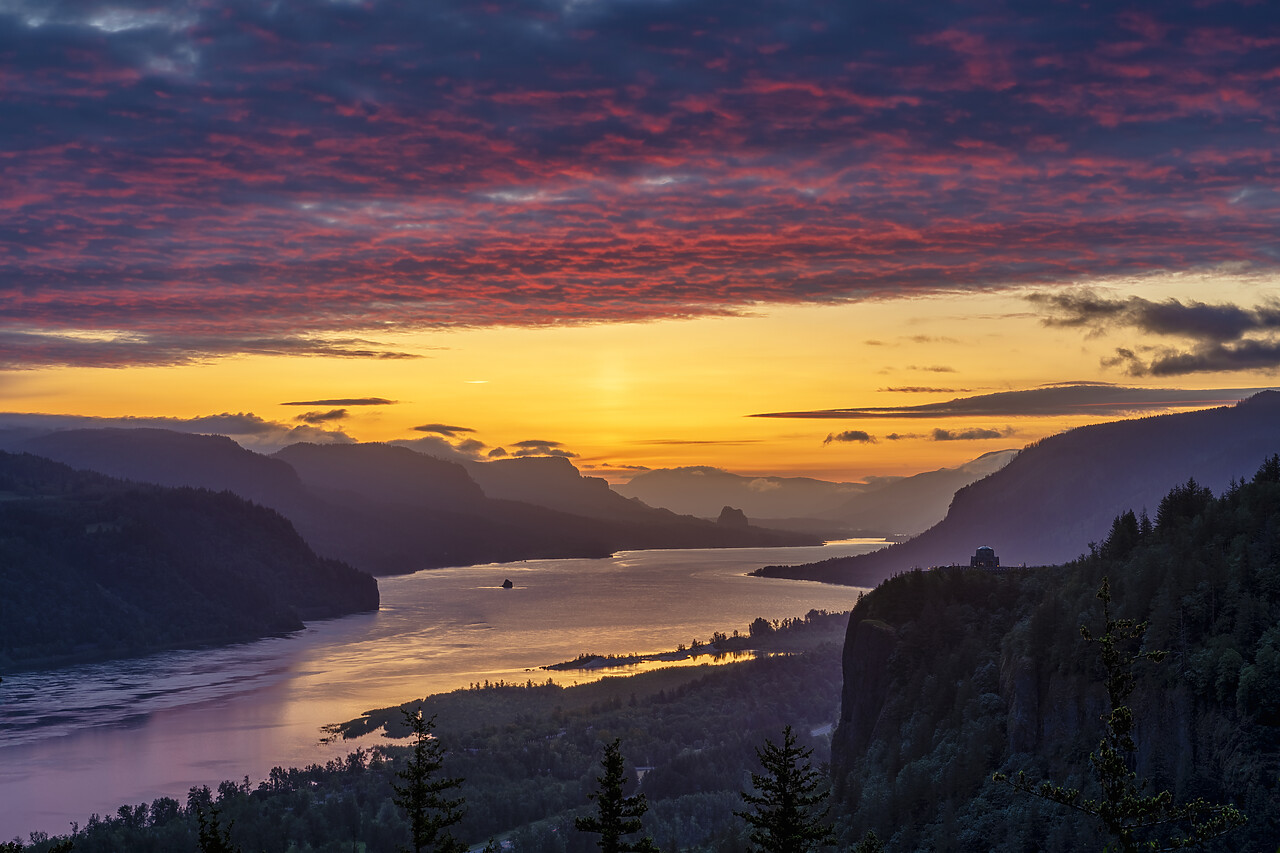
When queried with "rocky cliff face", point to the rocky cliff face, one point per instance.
{"points": [[868, 649]]}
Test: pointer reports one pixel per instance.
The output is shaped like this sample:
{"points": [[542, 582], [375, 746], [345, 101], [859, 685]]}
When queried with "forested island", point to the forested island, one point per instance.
{"points": [[95, 567], [945, 679]]}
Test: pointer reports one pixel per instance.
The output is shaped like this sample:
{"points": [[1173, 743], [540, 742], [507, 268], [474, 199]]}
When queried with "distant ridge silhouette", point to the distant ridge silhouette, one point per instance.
{"points": [[889, 506], [1063, 492], [391, 510]]}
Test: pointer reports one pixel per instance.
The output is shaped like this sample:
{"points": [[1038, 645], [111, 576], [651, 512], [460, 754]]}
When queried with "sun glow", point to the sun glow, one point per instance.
{"points": [[674, 392]]}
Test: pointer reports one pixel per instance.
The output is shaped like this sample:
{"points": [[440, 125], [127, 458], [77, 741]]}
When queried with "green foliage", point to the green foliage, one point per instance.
{"points": [[423, 792], [213, 837], [617, 815], [788, 808], [1182, 504], [1125, 535], [870, 843], [988, 672], [1137, 820]]}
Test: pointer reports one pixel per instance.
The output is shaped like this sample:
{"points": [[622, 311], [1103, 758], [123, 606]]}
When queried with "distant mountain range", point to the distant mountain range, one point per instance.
{"points": [[887, 506], [92, 566], [1060, 494], [392, 510]]}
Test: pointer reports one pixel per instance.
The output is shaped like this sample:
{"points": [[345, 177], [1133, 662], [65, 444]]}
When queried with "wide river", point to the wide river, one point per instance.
{"points": [[86, 739]]}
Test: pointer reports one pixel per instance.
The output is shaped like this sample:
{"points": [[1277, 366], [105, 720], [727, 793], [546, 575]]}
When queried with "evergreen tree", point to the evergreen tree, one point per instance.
{"points": [[1137, 820], [423, 794], [870, 843], [212, 837], [616, 815], [788, 809]]}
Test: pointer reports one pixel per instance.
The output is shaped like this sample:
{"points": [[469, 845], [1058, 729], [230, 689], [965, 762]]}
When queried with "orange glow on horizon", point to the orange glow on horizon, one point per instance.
{"points": [[665, 394]]}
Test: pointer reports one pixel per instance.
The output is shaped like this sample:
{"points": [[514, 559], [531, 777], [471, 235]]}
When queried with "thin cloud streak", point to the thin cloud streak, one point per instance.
{"points": [[1093, 399], [344, 401], [849, 436]]}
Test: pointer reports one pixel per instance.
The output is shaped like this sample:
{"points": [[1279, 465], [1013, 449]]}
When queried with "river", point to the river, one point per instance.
{"points": [[89, 738]]}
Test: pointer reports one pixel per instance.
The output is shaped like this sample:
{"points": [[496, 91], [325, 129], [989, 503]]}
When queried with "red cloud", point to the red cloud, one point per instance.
{"points": [[669, 166]]}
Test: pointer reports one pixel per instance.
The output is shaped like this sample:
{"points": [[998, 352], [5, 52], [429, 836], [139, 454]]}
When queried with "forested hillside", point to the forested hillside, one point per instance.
{"points": [[948, 676], [94, 567], [954, 673]]}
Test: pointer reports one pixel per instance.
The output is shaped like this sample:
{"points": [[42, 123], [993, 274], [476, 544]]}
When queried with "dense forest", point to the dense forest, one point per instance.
{"points": [[951, 674], [95, 567], [948, 677]]}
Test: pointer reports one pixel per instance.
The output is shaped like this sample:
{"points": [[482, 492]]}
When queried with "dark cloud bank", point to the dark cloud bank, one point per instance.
{"points": [[1219, 336]]}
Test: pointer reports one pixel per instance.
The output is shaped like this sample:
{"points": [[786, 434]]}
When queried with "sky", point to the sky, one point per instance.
{"points": [[812, 238]]}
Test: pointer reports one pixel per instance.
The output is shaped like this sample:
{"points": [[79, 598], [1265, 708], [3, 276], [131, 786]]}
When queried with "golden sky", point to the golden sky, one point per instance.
{"points": [[616, 231], [664, 393]]}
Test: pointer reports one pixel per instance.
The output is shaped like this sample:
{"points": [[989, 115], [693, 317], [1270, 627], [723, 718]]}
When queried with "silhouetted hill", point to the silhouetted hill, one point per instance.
{"points": [[384, 474], [952, 674], [887, 506], [91, 566], [554, 482], [392, 510], [169, 458], [1060, 494], [422, 511], [702, 491], [914, 504], [404, 511]]}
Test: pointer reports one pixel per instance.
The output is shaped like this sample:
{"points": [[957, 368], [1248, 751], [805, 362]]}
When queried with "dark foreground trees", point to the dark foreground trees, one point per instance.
{"points": [[1137, 819], [788, 809], [616, 815], [423, 796]]}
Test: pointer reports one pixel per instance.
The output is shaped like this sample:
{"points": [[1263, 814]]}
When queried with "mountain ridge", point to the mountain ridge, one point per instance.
{"points": [[389, 509], [92, 566], [1061, 493]]}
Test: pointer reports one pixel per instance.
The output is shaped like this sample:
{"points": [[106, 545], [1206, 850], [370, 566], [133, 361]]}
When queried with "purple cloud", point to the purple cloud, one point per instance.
{"points": [[208, 179]]}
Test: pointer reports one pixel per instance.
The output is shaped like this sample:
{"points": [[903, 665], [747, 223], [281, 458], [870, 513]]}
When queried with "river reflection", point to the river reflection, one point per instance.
{"points": [[89, 738]]}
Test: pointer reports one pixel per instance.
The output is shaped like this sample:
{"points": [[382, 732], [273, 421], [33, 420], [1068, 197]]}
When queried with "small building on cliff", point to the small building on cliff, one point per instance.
{"points": [[984, 558]]}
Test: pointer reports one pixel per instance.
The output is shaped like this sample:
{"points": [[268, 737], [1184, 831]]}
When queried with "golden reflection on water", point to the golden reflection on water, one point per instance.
{"points": [[170, 721]]}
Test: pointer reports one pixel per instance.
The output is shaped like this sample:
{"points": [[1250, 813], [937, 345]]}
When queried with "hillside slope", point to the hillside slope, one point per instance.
{"points": [[95, 567], [914, 504], [419, 511], [392, 510], [887, 506], [1060, 494]]}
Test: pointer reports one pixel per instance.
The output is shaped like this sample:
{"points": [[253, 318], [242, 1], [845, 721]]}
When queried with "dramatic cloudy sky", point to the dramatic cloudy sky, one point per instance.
{"points": [[617, 229]]}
